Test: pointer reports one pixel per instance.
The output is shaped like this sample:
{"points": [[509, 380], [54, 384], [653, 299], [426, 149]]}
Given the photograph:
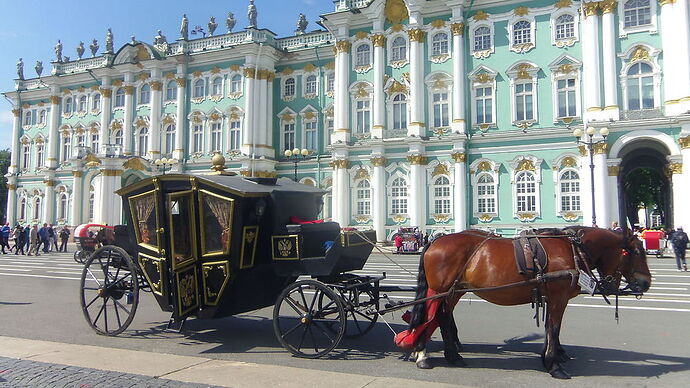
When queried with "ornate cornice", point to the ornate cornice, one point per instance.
{"points": [[343, 46], [684, 142], [457, 28], [416, 35], [459, 157], [378, 40], [378, 161], [418, 160]]}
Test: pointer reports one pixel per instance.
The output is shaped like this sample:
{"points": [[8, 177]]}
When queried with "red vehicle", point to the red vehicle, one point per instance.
{"points": [[652, 242], [88, 237]]}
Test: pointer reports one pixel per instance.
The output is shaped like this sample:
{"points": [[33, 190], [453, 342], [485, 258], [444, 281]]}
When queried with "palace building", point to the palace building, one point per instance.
{"points": [[441, 114]]}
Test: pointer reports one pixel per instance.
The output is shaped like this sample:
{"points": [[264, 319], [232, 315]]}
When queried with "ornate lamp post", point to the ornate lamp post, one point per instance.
{"points": [[165, 163], [295, 156], [589, 144]]}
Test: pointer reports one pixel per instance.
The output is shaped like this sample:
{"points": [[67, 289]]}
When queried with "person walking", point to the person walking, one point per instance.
{"points": [[43, 236], [19, 241], [52, 238], [680, 243], [5, 235], [398, 243], [64, 237], [33, 239], [27, 231]]}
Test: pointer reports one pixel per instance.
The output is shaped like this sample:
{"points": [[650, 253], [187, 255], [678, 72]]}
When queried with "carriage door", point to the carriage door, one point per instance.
{"points": [[181, 215]]}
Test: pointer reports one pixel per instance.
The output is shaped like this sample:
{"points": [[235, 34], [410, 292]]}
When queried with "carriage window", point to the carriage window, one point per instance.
{"points": [[182, 230], [145, 222], [216, 223]]}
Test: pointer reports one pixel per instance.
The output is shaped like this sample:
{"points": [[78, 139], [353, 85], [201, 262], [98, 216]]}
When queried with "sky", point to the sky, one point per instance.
{"points": [[30, 29]]}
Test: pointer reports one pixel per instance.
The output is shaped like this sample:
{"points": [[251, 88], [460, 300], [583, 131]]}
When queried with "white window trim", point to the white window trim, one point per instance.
{"points": [[240, 118], [326, 74], [431, 197], [476, 82], [430, 49], [286, 116], [389, 192], [95, 111], [439, 82], [164, 92], [198, 99], [42, 124], [514, 171], [364, 68], [572, 11], [283, 80], [77, 102], [558, 71], [124, 98], [482, 53], [217, 96], [653, 61], [355, 179], [238, 94], [197, 117], [492, 170], [514, 76], [354, 97], [210, 120], [303, 125], [306, 75], [389, 50], [139, 88], [651, 27], [389, 111], [558, 170], [522, 47], [325, 115]]}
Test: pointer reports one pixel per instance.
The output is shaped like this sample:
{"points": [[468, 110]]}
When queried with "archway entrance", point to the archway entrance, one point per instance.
{"points": [[645, 191]]}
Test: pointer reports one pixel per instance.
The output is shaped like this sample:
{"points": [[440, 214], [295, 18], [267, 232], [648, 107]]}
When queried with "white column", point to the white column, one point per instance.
{"points": [[681, 185], [49, 199], [379, 105], [155, 130], [601, 191], [416, 103], [15, 150], [180, 125], [342, 98], [261, 118], [54, 137], [106, 112], [460, 191], [107, 212], [249, 107], [378, 203], [676, 48], [612, 166], [458, 124], [128, 130], [417, 193], [608, 29], [590, 60], [77, 195], [268, 140], [11, 200], [341, 189]]}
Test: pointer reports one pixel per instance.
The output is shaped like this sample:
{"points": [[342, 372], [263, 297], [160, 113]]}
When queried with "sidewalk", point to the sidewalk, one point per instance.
{"points": [[44, 363]]}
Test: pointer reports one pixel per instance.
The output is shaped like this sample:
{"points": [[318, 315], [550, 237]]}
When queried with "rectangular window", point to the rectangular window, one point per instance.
{"points": [[198, 138], [235, 135], [567, 106], [484, 105], [288, 136], [310, 135], [524, 108], [215, 137], [363, 116], [441, 117]]}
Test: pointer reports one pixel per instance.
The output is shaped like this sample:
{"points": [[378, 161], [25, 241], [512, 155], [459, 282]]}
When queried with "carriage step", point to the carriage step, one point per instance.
{"points": [[175, 327]]}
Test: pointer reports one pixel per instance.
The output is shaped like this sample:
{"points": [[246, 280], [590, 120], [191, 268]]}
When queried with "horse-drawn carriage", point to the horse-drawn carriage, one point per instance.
{"points": [[88, 238]]}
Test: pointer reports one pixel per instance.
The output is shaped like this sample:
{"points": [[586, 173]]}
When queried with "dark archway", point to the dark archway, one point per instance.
{"points": [[643, 180]]}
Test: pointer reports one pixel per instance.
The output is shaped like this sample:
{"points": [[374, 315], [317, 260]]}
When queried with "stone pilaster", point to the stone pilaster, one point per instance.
{"points": [[416, 125], [459, 78], [608, 28], [341, 98], [54, 137], [460, 190], [379, 105], [378, 204]]}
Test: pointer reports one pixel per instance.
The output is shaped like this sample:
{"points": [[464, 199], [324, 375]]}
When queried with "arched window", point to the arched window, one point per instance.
{"points": [[565, 26], [310, 85], [120, 97], [169, 139], [82, 103], [289, 89], [145, 94], [439, 44], [171, 91], [62, 207], [441, 105], [234, 134], [637, 13], [217, 86], [363, 198], [40, 155], [398, 195], [68, 105], [197, 138], [41, 117], [482, 38], [570, 191], [199, 89], [143, 141], [442, 195], [522, 32], [26, 156], [91, 205], [96, 102], [22, 208], [400, 111], [95, 142], [526, 190], [399, 49], [363, 55], [216, 145], [236, 84], [486, 194], [66, 147], [37, 208], [27, 117], [117, 137], [640, 87]]}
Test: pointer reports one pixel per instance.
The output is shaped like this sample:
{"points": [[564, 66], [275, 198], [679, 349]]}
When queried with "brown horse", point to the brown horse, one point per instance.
{"points": [[477, 259]]}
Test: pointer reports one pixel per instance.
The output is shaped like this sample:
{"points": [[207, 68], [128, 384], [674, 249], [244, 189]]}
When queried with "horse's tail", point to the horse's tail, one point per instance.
{"points": [[419, 309]]}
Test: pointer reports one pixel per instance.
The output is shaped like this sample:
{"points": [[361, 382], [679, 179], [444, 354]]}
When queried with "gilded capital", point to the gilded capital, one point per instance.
{"points": [[157, 86], [684, 142], [111, 172], [676, 168], [589, 9], [249, 72], [54, 100], [77, 174], [16, 112], [129, 90], [378, 40], [417, 159], [11, 186], [665, 2], [106, 92], [343, 46], [458, 28], [378, 161], [416, 35], [582, 150], [262, 74], [49, 183], [601, 148], [614, 170], [340, 163], [459, 157], [181, 82], [608, 6]]}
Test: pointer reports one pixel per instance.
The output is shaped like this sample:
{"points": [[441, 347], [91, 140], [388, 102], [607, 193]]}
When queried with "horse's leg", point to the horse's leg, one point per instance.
{"points": [[551, 357], [449, 334], [454, 328], [422, 361]]}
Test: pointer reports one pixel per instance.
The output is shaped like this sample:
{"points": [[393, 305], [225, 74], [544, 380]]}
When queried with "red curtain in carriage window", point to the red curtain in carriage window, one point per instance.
{"points": [[143, 206], [221, 209]]}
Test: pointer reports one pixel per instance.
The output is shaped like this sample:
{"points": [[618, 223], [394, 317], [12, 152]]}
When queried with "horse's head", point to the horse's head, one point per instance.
{"points": [[634, 264]]}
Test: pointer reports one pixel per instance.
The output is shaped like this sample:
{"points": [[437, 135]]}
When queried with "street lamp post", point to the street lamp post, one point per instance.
{"points": [[164, 163], [590, 143], [295, 156]]}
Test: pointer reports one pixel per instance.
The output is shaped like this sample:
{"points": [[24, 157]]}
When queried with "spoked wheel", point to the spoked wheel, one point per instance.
{"points": [[80, 256], [357, 302], [109, 290], [309, 319]]}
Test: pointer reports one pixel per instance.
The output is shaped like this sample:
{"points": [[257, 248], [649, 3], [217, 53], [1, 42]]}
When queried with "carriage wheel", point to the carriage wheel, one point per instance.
{"points": [[357, 302], [79, 256], [309, 319], [109, 290]]}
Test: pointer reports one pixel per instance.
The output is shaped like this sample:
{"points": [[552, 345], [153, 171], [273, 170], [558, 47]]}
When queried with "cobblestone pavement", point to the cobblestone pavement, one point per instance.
{"points": [[23, 373]]}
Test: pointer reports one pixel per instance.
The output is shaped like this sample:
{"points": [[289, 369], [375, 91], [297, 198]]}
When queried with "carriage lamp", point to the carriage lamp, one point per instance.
{"points": [[589, 144], [297, 155], [165, 163]]}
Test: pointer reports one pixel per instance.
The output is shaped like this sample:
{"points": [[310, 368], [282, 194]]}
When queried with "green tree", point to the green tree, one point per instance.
{"points": [[643, 188], [4, 164]]}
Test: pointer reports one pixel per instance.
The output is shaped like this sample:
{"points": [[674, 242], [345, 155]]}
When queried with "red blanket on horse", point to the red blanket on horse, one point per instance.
{"points": [[406, 339]]}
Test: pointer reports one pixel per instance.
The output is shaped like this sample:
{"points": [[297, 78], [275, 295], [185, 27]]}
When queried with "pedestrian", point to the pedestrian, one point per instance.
{"points": [[426, 238], [680, 243], [615, 227], [19, 241], [27, 231], [52, 237], [398, 243], [64, 236], [43, 236], [33, 239], [5, 234]]}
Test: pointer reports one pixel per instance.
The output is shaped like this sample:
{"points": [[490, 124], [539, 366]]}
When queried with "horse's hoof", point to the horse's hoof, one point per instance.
{"points": [[454, 358], [424, 364], [559, 373], [458, 346]]}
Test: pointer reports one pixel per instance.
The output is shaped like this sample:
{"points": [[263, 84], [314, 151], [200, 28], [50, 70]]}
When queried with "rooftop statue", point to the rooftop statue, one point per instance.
{"points": [[301, 24], [58, 51], [20, 69], [160, 39], [39, 68], [80, 50], [94, 47], [230, 22], [212, 25], [252, 14], [184, 28], [109, 42]]}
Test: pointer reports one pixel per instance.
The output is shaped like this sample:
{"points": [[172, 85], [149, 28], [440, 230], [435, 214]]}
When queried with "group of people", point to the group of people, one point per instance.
{"points": [[30, 239], [678, 239]]}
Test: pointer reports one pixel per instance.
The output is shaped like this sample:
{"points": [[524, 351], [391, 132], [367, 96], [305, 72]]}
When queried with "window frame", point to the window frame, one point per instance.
{"points": [[393, 103], [482, 78], [362, 186], [169, 138], [170, 93], [310, 85], [359, 63], [285, 96], [651, 27], [199, 88], [398, 201], [519, 74], [393, 60], [445, 199], [522, 46], [142, 149], [235, 82], [560, 194], [96, 102], [478, 169], [486, 52], [565, 41], [119, 98], [217, 89], [437, 55]]}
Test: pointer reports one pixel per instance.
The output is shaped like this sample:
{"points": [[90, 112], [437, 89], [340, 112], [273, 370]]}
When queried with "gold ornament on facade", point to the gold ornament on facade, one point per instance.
{"points": [[397, 27], [459, 157], [11, 187], [117, 83], [116, 125], [91, 160], [343, 46], [271, 76], [483, 78], [181, 82], [440, 169], [601, 148], [309, 115], [54, 99], [41, 103], [361, 91], [608, 6], [613, 170], [521, 11], [570, 216], [395, 11], [565, 68], [157, 86], [134, 164], [416, 35], [262, 74], [438, 23], [484, 166], [142, 53], [399, 219], [215, 70], [197, 74], [457, 29], [396, 87], [568, 161], [143, 76], [362, 219], [523, 71], [684, 142], [582, 150], [362, 173], [417, 160], [167, 120], [378, 161], [287, 71], [525, 165], [287, 117], [563, 4], [106, 92], [170, 75], [480, 15], [590, 9], [441, 218], [340, 163], [141, 122], [235, 67], [16, 112], [129, 90], [249, 72], [526, 216], [664, 2], [309, 67], [640, 54], [331, 65], [485, 217], [265, 174], [675, 168], [378, 40], [81, 89], [77, 173], [66, 92], [361, 35]]}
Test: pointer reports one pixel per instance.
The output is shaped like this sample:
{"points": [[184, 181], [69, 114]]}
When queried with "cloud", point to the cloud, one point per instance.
{"points": [[6, 117], [6, 120], [309, 2]]}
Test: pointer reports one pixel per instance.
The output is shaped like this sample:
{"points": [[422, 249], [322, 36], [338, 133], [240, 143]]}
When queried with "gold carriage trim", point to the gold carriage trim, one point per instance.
{"points": [[152, 267], [213, 292], [352, 239], [285, 247], [250, 236], [187, 291]]}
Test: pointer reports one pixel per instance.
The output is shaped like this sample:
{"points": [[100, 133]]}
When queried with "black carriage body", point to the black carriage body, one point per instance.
{"points": [[219, 245]]}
